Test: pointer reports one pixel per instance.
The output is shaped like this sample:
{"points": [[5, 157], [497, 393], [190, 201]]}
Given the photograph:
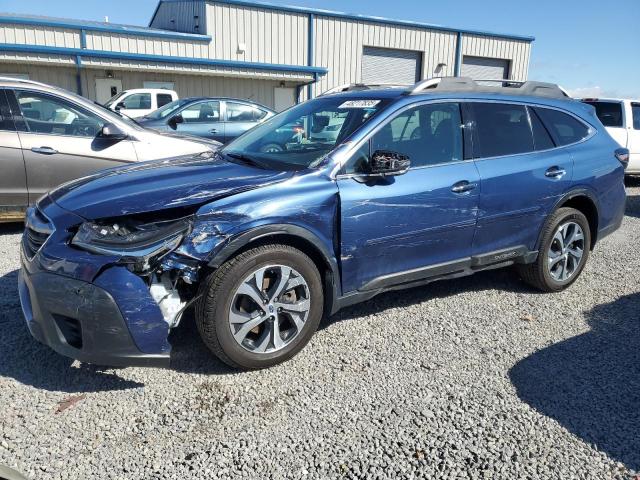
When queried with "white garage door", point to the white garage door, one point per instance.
{"points": [[485, 68], [384, 65]]}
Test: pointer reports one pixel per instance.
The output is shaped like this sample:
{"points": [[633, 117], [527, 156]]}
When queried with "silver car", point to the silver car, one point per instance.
{"points": [[49, 136]]}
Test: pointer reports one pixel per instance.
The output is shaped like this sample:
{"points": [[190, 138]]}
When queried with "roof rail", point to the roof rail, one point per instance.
{"points": [[465, 84]]}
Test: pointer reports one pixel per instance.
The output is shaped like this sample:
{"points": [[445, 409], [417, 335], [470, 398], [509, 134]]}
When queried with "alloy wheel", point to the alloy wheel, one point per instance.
{"points": [[566, 251], [269, 309]]}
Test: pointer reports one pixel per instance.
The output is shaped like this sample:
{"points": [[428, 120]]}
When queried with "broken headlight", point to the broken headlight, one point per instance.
{"points": [[137, 243]]}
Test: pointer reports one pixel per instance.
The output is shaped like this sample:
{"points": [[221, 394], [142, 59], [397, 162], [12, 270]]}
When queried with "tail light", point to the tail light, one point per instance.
{"points": [[622, 154]]}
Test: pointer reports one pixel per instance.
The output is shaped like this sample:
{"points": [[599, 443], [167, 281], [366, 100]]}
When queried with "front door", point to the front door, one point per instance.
{"points": [[240, 118], [107, 88], [60, 141], [394, 227], [14, 196], [202, 119], [522, 172]]}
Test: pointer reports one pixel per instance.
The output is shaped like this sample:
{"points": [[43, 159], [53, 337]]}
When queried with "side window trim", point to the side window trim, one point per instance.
{"points": [[591, 131], [5, 114], [531, 112], [16, 112]]}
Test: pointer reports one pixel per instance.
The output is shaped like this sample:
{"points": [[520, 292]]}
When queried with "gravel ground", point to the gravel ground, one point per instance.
{"points": [[473, 378]]}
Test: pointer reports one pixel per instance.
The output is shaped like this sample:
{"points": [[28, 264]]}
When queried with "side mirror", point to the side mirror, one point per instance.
{"points": [[111, 131], [175, 120], [386, 163], [120, 106]]}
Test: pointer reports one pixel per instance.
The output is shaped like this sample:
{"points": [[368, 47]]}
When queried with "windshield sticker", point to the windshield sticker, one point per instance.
{"points": [[360, 104]]}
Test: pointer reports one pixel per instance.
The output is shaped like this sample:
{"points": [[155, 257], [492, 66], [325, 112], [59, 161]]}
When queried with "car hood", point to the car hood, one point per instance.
{"points": [[160, 185]]}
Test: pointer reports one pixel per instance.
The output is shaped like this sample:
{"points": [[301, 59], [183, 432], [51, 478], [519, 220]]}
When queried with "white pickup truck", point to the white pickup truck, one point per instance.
{"points": [[139, 102], [621, 118]]}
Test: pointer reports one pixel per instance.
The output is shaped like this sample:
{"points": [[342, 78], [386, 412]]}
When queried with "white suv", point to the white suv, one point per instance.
{"points": [[622, 120], [139, 102]]}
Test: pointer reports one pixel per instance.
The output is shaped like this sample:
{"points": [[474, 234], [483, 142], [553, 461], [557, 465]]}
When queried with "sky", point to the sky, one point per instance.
{"points": [[590, 47]]}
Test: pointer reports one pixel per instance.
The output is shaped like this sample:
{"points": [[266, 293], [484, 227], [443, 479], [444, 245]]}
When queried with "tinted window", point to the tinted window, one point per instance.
{"points": [[239, 112], [203, 112], [6, 122], [164, 99], [428, 134], [635, 108], [541, 137], [501, 129], [609, 113], [51, 115], [260, 114], [138, 101], [563, 128]]}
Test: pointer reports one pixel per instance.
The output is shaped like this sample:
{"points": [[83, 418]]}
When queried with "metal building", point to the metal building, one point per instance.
{"points": [[271, 54]]}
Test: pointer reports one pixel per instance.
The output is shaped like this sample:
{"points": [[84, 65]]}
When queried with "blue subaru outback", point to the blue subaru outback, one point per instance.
{"points": [[272, 232]]}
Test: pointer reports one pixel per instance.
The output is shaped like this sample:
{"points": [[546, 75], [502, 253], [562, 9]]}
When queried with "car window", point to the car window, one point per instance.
{"points": [[55, 116], [260, 114], [203, 112], [6, 122], [239, 112], [541, 137], [635, 109], [428, 134], [501, 129], [609, 113], [163, 99], [564, 128], [137, 101]]}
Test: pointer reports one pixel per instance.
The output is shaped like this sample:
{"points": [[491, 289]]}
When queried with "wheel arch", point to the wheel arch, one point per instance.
{"points": [[294, 236], [585, 202]]}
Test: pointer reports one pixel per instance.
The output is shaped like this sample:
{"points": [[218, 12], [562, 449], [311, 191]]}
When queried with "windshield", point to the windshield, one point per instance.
{"points": [[302, 136], [167, 110]]}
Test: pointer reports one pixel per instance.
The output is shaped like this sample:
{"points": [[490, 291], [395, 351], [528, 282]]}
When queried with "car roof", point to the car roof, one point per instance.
{"points": [[148, 90], [230, 99]]}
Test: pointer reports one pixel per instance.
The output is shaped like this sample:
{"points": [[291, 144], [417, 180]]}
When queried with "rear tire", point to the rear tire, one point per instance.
{"points": [[253, 328], [564, 250]]}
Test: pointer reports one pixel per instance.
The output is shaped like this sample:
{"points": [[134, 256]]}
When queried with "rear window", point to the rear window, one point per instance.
{"points": [[502, 129], [164, 99], [564, 128], [609, 113]]}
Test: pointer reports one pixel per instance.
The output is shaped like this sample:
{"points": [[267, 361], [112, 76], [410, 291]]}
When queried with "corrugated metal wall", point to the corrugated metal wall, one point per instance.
{"points": [[64, 77], [39, 35], [517, 52], [269, 36], [146, 45], [188, 17]]}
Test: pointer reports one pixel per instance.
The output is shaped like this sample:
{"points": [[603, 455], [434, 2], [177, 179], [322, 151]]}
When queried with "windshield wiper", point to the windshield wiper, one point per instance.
{"points": [[243, 158]]}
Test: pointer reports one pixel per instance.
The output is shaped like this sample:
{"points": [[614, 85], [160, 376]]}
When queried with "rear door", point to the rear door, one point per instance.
{"points": [[241, 117], [203, 119], [60, 141], [521, 174], [14, 196]]}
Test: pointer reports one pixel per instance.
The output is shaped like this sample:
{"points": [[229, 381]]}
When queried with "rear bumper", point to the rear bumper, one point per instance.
{"points": [[80, 320]]}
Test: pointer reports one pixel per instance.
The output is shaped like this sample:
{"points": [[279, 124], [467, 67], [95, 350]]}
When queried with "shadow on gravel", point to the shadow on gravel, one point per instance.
{"points": [[505, 279], [590, 384], [31, 363]]}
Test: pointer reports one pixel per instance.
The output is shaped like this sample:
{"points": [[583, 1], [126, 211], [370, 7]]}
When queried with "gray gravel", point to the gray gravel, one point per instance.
{"points": [[474, 378]]}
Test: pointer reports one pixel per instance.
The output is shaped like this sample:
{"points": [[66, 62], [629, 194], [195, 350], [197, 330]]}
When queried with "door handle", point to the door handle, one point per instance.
{"points": [[555, 172], [44, 150], [463, 187], [213, 130]]}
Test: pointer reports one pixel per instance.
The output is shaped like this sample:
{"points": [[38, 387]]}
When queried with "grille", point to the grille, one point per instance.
{"points": [[37, 230]]}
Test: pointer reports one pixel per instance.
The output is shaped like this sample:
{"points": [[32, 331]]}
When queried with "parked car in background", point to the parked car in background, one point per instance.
{"points": [[439, 181], [221, 119], [139, 102], [49, 136], [621, 118]]}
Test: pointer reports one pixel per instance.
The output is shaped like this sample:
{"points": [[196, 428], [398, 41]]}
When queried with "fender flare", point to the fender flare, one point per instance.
{"points": [[239, 241], [573, 193]]}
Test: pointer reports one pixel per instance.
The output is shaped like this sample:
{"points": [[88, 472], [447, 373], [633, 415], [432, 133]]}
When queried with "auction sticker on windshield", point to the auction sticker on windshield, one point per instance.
{"points": [[360, 104]]}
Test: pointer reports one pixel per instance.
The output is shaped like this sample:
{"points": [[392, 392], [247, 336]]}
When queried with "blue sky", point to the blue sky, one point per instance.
{"points": [[589, 45]]}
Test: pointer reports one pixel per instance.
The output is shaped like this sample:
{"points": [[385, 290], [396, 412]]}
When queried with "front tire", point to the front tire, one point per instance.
{"points": [[564, 250], [261, 307]]}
